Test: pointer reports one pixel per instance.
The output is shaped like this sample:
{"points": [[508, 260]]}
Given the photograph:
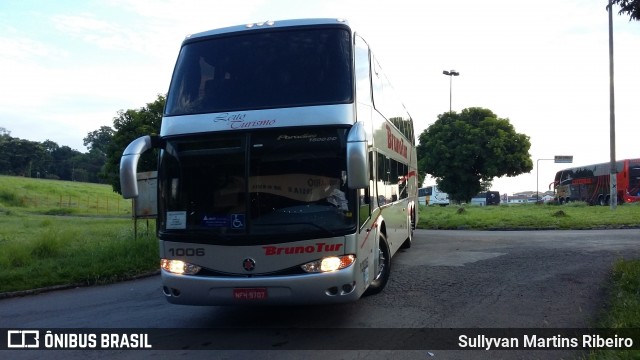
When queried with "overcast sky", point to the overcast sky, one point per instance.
{"points": [[68, 66]]}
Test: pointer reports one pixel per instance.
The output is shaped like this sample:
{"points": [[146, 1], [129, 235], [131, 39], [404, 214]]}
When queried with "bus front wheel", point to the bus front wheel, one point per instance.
{"points": [[383, 269]]}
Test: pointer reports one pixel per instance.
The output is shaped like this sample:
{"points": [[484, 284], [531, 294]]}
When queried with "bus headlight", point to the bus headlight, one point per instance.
{"points": [[179, 267], [331, 263]]}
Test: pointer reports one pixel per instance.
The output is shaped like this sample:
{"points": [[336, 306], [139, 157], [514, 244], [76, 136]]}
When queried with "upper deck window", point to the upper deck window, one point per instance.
{"points": [[260, 70]]}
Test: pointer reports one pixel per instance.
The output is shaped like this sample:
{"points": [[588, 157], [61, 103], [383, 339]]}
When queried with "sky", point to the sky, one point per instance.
{"points": [[68, 66]]}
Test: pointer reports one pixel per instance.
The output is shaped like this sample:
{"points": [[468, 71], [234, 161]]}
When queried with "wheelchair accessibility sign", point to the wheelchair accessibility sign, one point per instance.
{"points": [[237, 221]]}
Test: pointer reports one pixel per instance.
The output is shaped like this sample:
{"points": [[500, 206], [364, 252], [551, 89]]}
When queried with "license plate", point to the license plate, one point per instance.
{"points": [[250, 294]]}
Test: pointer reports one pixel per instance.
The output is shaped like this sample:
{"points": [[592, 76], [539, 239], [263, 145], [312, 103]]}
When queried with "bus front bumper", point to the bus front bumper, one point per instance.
{"points": [[318, 288]]}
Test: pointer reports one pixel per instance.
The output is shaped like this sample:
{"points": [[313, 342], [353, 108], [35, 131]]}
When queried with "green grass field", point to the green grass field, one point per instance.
{"points": [[529, 217], [49, 238], [56, 197], [59, 232]]}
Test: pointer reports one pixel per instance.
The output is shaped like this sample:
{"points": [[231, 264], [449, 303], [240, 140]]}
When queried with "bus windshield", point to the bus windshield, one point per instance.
{"points": [[284, 183], [260, 70]]}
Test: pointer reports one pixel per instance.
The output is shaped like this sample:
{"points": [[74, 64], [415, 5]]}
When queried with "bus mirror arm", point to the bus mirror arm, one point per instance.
{"points": [[129, 164], [357, 158]]}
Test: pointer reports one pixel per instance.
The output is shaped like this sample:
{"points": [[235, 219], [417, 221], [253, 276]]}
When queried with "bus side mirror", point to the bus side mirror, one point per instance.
{"points": [[357, 158], [129, 164]]}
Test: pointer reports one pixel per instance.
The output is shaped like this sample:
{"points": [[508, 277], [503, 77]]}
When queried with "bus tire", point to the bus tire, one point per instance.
{"points": [[383, 270], [602, 201]]}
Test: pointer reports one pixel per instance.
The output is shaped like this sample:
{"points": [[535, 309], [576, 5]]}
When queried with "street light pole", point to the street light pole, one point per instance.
{"points": [[450, 73]]}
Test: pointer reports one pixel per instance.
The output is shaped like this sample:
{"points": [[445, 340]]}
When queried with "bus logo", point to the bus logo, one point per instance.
{"points": [[395, 143], [249, 264], [23, 338]]}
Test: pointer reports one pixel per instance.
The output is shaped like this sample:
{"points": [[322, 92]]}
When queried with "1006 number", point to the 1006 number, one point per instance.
{"points": [[186, 251]]}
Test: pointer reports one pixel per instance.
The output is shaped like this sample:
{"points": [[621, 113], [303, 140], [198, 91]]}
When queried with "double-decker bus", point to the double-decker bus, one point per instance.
{"points": [[287, 168], [591, 183]]}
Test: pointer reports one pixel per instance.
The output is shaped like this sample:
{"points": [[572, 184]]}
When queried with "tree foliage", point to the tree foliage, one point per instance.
{"points": [[47, 159], [129, 125], [628, 7], [463, 150], [99, 140]]}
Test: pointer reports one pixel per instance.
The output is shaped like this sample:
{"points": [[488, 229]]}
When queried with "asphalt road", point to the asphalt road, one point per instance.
{"points": [[448, 279]]}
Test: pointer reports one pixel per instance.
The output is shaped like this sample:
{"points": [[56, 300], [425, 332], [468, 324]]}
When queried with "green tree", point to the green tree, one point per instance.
{"points": [[47, 160], [128, 126], [98, 140], [20, 157], [628, 7], [463, 150], [64, 163]]}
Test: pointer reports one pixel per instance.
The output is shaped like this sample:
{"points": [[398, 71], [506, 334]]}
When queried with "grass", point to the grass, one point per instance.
{"points": [[41, 251], [529, 217], [49, 238], [623, 311], [626, 296], [56, 197]]}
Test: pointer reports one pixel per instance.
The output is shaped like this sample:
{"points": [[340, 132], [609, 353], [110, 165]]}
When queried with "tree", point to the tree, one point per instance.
{"points": [[64, 163], [128, 126], [98, 140], [628, 7], [47, 160], [20, 157], [464, 150]]}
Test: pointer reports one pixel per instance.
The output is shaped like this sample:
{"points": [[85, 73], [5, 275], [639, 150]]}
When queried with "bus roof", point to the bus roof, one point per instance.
{"points": [[268, 24]]}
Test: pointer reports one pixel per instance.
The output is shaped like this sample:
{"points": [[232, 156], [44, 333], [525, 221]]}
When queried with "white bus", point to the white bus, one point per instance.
{"points": [[287, 169], [431, 195]]}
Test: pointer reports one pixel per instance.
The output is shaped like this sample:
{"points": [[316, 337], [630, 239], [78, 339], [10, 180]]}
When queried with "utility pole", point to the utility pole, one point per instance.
{"points": [[613, 190]]}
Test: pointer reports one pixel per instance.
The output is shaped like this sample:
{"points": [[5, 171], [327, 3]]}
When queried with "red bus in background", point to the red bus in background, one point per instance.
{"points": [[591, 183]]}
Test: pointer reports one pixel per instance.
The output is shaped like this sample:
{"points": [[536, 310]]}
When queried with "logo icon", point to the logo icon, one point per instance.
{"points": [[237, 221], [248, 264], [23, 339]]}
